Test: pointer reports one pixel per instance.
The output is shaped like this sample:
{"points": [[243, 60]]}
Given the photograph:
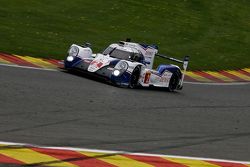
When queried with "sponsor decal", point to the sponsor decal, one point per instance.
{"points": [[163, 79], [93, 62], [87, 61], [147, 77], [110, 68], [99, 64], [166, 77]]}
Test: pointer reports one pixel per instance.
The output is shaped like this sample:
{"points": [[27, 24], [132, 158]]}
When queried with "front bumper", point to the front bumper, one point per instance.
{"points": [[105, 73]]}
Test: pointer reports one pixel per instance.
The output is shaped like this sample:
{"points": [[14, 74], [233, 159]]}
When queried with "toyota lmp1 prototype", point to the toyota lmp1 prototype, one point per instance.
{"points": [[127, 64]]}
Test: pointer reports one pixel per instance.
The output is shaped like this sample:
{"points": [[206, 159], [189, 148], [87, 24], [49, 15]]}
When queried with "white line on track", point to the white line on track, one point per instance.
{"points": [[186, 82], [122, 152]]}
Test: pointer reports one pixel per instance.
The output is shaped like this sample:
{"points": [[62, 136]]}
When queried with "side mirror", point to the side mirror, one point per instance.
{"points": [[87, 45]]}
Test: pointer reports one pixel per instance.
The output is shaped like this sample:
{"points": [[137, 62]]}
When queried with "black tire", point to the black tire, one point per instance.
{"points": [[173, 83], [133, 83]]}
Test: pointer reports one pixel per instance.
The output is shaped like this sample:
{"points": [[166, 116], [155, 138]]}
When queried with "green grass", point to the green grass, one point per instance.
{"points": [[215, 33]]}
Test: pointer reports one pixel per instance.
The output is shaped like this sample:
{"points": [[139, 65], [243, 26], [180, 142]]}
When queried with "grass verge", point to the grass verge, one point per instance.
{"points": [[216, 33]]}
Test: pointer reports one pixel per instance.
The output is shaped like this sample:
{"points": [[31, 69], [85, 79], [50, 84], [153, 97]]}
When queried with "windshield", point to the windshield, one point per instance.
{"points": [[108, 50], [117, 53], [123, 54]]}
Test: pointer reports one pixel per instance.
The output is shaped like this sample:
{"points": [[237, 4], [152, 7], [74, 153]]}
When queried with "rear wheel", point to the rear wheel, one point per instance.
{"points": [[135, 77], [173, 83]]}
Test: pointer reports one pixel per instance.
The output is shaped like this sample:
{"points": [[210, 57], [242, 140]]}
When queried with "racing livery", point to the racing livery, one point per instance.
{"points": [[127, 64]]}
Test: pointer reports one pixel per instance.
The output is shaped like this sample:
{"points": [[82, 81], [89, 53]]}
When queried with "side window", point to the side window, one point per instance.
{"points": [[138, 57], [107, 50]]}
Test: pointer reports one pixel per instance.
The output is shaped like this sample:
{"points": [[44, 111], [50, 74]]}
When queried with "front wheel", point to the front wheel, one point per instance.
{"points": [[133, 83]]}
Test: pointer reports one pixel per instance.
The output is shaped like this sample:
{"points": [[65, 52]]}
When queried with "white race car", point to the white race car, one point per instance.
{"points": [[127, 64]]}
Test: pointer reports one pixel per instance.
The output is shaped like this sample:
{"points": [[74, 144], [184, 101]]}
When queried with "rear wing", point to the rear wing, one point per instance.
{"points": [[184, 63]]}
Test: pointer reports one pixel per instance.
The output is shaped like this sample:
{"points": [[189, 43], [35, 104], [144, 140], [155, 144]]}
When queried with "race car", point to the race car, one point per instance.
{"points": [[127, 64]]}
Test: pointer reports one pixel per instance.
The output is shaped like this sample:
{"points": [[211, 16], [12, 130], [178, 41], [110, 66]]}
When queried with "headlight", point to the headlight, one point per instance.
{"points": [[70, 58], [120, 68], [73, 51], [116, 73], [122, 65]]}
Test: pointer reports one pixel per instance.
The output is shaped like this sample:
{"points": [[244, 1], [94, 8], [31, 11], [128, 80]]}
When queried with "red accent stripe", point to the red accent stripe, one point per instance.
{"points": [[17, 60], [206, 75], [190, 79], [227, 164], [155, 161], [73, 157], [231, 76], [8, 160], [244, 72]]}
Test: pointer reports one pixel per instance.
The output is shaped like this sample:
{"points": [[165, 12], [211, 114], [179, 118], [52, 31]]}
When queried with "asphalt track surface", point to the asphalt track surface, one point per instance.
{"points": [[60, 109]]}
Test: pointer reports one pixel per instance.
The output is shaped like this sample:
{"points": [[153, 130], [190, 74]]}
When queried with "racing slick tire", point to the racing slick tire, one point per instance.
{"points": [[133, 83], [173, 83]]}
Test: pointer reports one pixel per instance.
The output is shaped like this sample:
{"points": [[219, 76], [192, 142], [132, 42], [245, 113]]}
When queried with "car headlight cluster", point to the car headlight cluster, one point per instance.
{"points": [[73, 51], [120, 68], [122, 65]]}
